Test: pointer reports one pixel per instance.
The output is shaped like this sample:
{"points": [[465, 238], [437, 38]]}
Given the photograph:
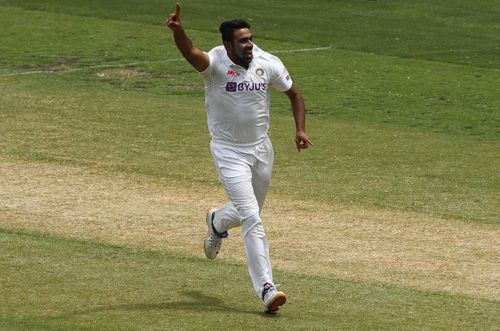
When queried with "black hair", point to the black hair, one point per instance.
{"points": [[227, 28]]}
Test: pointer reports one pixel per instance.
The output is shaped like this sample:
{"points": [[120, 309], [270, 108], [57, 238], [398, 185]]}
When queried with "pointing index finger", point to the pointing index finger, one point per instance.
{"points": [[177, 9]]}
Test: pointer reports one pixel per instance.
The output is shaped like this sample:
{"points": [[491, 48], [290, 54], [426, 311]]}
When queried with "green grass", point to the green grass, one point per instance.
{"points": [[403, 111], [352, 162], [50, 283], [415, 156], [456, 31]]}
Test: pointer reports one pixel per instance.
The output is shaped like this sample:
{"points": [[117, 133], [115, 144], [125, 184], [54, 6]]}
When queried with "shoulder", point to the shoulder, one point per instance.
{"points": [[267, 57], [215, 58], [217, 52], [271, 64], [218, 64]]}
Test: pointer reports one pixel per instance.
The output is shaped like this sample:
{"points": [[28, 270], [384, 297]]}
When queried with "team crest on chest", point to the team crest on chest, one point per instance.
{"points": [[259, 71]]}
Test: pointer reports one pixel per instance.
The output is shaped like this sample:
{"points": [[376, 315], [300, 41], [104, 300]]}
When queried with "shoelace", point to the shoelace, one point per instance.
{"points": [[213, 240], [270, 289], [267, 290]]}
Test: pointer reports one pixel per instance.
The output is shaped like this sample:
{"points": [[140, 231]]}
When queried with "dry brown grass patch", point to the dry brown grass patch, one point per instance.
{"points": [[122, 73], [337, 241]]}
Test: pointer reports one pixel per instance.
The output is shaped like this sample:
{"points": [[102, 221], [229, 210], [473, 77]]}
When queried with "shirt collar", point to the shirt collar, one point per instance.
{"points": [[233, 65]]}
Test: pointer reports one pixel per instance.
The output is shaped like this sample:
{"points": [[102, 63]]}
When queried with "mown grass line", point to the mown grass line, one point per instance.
{"points": [[57, 283]]}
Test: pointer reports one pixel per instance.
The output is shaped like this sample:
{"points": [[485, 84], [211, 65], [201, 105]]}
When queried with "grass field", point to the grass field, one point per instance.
{"points": [[391, 221]]}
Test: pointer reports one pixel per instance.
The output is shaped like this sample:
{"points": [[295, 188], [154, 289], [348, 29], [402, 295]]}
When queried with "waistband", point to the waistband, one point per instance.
{"points": [[233, 144]]}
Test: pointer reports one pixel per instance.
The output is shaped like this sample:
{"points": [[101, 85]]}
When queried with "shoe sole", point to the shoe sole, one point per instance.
{"points": [[209, 223], [278, 300]]}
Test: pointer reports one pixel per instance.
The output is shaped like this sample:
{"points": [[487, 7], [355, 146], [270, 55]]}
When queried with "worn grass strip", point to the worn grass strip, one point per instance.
{"points": [[338, 241], [121, 123], [61, 68]]}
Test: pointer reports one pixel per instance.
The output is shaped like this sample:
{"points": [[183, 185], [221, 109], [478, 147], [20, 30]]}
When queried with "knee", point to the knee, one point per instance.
{"points": [[253, 226]]}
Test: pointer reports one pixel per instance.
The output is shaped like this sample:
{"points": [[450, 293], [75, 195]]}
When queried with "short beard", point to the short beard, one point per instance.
{"points": [[241, 56]]}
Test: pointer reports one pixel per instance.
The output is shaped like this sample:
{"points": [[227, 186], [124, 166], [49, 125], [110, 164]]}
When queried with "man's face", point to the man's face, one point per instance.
{"points": [[243, 45]]}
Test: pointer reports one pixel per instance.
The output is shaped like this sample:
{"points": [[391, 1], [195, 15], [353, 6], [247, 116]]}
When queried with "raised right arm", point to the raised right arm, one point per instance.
{"points": [[197, 58]]}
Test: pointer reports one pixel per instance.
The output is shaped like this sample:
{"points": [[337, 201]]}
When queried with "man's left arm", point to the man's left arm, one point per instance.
{"points": [[302, 140]]}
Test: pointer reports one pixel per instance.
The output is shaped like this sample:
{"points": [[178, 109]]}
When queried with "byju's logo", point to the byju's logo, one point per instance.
{"points": [[245, 86], [231, 86]]}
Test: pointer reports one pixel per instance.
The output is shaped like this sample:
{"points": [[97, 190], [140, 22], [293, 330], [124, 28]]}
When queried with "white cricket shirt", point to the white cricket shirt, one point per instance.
{"points": [[237, 99]]}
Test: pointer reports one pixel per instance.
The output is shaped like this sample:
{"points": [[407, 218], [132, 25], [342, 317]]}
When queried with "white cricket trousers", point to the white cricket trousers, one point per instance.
{"points": [[245, 173]]}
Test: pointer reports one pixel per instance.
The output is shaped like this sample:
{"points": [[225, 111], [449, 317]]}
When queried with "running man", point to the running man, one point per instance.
{"points": [[238, 76]]}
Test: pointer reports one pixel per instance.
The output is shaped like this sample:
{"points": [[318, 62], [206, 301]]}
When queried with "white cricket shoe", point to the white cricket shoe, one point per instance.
{"points": [[272, 298], [213, 242]]}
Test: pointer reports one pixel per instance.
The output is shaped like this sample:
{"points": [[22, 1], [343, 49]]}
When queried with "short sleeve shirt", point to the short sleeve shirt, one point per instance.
{"points": [[237, 99]]}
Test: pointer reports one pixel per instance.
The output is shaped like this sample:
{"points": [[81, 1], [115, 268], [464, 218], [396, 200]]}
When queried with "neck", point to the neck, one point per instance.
{"points": [[237, 61]]}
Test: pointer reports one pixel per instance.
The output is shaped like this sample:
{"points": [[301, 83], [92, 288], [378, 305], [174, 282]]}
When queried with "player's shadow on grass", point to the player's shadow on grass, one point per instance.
{"points": [[195, 301]]}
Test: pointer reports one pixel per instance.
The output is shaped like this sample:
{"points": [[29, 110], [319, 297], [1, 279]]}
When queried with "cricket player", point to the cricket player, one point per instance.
{"points": [[238, 76]]}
